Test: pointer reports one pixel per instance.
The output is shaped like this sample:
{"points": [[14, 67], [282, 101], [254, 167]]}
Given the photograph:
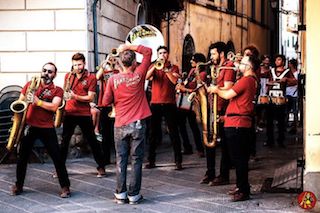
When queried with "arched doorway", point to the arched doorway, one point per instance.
{"points": [[141, 13], [230, 47], [188, 51]]}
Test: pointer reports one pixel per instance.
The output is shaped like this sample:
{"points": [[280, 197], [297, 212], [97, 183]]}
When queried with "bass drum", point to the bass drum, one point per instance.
{"points": [[146, 35]]}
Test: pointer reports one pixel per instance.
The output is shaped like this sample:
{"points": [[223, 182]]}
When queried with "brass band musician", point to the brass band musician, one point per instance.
{"points": [[43, 103], [225, 81], [279, 79]]}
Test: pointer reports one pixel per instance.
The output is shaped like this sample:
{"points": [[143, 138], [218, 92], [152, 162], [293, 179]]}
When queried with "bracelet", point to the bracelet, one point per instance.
{"points": [[39, 103]]}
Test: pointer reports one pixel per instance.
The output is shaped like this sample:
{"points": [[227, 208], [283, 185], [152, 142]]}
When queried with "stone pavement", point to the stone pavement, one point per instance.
{"points": [[164, 189]]}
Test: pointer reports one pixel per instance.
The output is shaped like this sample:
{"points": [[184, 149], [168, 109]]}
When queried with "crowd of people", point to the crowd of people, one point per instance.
{"points": [[249, 94]]}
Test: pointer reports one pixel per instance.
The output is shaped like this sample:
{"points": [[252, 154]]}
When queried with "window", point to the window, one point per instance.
{"points": [[231, 5], [263, 5], [253, 9]]}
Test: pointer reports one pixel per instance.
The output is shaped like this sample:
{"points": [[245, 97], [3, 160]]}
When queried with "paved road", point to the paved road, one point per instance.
{"points": [[164, 189]]}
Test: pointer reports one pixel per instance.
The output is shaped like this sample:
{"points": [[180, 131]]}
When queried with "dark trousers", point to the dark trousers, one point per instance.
{"points": [[169, 112], [225, 163], [107, 132], [48, 137], [85, 123], [278, 113], [191, 116], [239, 149]]}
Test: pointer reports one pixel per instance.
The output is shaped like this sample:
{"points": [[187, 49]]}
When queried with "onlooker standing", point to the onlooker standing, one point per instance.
{"points": [[126, 91], [292, 95]]}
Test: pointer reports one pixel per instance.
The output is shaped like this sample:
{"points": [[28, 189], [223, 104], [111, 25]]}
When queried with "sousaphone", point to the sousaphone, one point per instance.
{"points": [[146, 35]]}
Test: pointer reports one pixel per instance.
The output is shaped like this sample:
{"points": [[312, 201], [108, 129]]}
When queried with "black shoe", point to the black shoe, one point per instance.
{"points": [[239, 196], [218, 181], [178, 166], [206, 179], [16, 190], [65, 192], [233, 191], [150, 166]]}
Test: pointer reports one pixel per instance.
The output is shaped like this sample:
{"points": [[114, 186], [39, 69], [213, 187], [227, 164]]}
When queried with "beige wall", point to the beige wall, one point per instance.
{"points": [[33, 32], [312, 127], [208, 26]]}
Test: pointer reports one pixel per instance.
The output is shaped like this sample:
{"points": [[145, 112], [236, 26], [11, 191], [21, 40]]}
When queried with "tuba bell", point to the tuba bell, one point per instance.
{"points": [[146, 35], [20, 109]]}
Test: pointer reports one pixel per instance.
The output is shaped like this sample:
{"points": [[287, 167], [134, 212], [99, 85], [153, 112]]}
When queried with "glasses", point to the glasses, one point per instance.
{"points": [[46, 70]]}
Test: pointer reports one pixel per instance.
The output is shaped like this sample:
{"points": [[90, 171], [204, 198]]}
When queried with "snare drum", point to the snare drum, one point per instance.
{"points": [[263, 99], [279, 100]]}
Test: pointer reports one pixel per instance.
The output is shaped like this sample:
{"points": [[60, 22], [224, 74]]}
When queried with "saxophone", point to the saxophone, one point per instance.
{"points": [[66, 96], [20, 109]]}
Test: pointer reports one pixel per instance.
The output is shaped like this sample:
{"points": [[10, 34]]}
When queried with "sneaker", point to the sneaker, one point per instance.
{"points": [[121, 198], [65, 192], [101, 172], [121, 201], [136, 201], [16, 190], [150, 166]]}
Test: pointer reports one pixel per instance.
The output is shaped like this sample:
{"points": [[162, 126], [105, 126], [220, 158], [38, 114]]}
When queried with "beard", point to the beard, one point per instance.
{"points": [[46, 79]]}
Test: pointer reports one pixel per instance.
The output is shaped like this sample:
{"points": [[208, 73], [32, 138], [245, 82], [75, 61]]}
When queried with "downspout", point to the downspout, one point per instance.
{"points": [[95, 33]]}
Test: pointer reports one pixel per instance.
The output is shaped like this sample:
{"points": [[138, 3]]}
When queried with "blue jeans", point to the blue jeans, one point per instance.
{"points": [[129, 140]]}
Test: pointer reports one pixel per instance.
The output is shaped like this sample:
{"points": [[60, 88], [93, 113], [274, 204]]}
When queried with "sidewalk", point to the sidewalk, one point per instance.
{"points": [[164, 189]]}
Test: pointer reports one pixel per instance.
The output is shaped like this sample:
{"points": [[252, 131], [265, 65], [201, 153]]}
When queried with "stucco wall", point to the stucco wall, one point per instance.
{"points": [[208, 26]]}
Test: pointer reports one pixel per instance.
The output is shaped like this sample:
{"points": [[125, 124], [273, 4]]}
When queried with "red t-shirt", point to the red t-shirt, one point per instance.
{"points": [[163, 90], [225, 75], [37, 116], [82, 86], [103, 83], [240, 109], [192, 84], [126, 91]]}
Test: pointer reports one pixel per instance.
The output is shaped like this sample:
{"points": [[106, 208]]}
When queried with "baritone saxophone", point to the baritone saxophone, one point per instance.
{"points": [[20, 109]]}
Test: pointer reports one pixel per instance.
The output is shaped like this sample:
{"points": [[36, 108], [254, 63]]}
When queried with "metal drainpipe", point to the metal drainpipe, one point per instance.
{"points": [[95, 33]]}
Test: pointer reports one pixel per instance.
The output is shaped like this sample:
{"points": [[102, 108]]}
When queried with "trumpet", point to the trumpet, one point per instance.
{"points": [[159, 64]]}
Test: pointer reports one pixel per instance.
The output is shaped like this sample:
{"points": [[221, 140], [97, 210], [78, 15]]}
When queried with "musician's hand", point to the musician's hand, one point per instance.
{"points": [[72, 95], [35, 99], [212, 89], [30, 98], [66, 96], [122, 47], [93, 105], [180, 87]]}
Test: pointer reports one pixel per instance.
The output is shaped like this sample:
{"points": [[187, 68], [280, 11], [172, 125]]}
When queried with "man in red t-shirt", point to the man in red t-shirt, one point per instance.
{"points": [[186, 88], [225, 81], [108, 68], [163, 104], [238, 121], [42, 103], [81, 91], [126, 91]]}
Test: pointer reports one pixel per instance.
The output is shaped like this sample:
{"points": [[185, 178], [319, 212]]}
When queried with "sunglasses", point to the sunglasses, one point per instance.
{"points": [[46, 70]]}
